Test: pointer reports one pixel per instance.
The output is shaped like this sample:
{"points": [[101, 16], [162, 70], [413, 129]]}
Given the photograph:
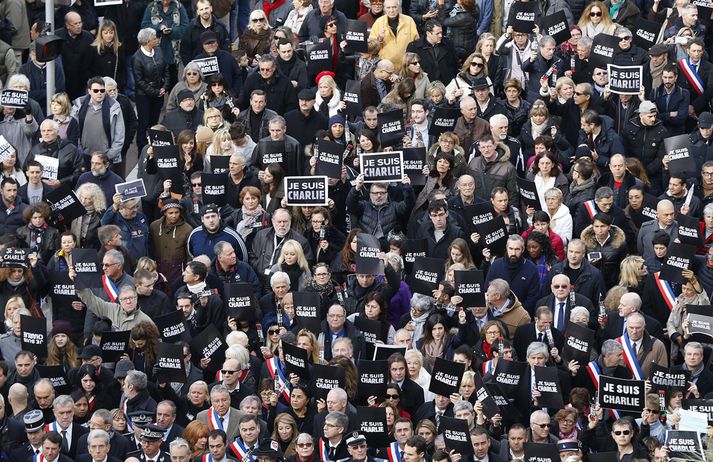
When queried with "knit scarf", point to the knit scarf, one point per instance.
{"points": [[245, 227], [614, 9], [656, 72], [588, 183], [15, 284], [294, 272], [325, 291], [537, 130], [267, 7], [592, 30]]}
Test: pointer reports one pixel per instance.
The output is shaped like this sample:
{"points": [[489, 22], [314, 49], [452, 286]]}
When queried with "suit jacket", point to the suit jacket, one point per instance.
{"points": [[120, 445], [579, 300], [351, 414], [162, 456], [88, 458], [615, 327], [428, 411], [341, 454], [22, 454], [77, 432], [176, 431], [700, 103], [524, 335], [583, 379], [233, 430]]}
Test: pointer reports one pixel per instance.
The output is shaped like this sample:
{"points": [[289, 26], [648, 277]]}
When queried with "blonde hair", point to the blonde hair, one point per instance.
{"points": [[606, 19], [259, 14], [98, 42], [629, 271], [296, 247], [562, 81], [210, 112], [62, 99]]}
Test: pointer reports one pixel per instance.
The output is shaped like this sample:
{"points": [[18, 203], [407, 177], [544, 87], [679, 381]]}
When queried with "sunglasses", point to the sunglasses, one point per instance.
{"points": [[593, 14], [626, 38], [654, 411], [258, 20], [191, 73], [622, 432], [98, 90], [476, 64], [545, 425], [416, 62], [227, 372], [388, 396], [196, 185], [579, 94], [564, 286], [332, 24], [273, 331], [304, 445], [216, 84]]}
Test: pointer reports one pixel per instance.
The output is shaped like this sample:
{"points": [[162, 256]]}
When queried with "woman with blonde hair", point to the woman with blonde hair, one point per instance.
{"points": [[473, 68], [11, 341], [221, 146], [677, 326], [213, 119], [448, 143], [328, 100], [632, 271], [412, 70], [564, 87], [486, 47], [307, 340], [61, 351], [196, 433], [61, 108], [595, 20], [13, 304], [293, 262], [106, 56], [285, 432], [418, 373], [296, 17], [257, 37]]}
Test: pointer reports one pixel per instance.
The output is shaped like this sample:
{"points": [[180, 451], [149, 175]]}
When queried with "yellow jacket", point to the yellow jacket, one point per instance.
{"points": [[394, 47]]}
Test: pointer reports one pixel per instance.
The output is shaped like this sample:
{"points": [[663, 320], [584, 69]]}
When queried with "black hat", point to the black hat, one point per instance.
{"points": [[269, 448], [185, 94], [152, 433], [210, 208], [480, 83], [141, 418], [208, 36], [307, 94], [34, 420], [356, 439], [582, 151], [705, 120], [658, 49], [89, 351], [569, 445], [122, 368]]}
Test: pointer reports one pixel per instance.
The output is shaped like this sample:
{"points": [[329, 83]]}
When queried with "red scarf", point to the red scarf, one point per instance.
{"points": [[267, 7], [486, 349]]}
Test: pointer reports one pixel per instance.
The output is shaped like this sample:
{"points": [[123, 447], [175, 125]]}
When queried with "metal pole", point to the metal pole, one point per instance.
{"points": [[49, 17]]}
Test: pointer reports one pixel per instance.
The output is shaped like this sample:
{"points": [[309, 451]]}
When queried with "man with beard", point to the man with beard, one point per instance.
{"points": [[202, 239], [672, 101], [203, 22], [290, 65], [304, 123], [377, 215], [521, 274], [51, 145], [227, 65], [419, 136], [101, 176], [170, 236]]}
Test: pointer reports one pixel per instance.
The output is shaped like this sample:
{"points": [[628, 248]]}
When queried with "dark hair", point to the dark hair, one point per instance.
{"points": [[199, 269], [418, 443], [437, 205], [544, 242], [671, 67], [541, 216], [218, 433], [97, 80], [592, 117], [485, 138], [432, 24], [464, 350], [7, 180], [33, 163], [428, 326], [102, 325], [376, 296], [585, 168], [421, 102], [602, 218], [660, 237]]}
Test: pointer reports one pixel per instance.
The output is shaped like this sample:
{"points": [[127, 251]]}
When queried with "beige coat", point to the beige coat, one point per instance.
{"points": [[393, 46]]}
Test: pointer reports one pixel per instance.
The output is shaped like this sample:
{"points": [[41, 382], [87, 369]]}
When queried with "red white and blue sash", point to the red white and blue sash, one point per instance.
{"points": [[219, 376], [594, 374], [323, 450], [630, 357], [666, 291], [394, 452], [125, 410], [591, 208], [488, 367], [53, 427], [38, 458], [692, 76], [214, 420], [207, 458], [110, 288], [273, 366], [241, 452]]}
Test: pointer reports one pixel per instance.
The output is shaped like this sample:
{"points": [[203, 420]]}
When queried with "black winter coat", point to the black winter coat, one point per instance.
{"points": [[281, 97], [106, 62], [178, 119], [439, 62], [462, 30], [70, 161], [151, 73], [190, 43], [646, 144]]}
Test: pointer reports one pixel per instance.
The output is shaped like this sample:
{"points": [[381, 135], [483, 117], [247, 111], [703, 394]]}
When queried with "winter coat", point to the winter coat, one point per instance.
{"points": [[613, 252], [461, 29], [91, 240], [48, 244], [281, 96], [294, 69], [11, 218], [151, 73], [607, 143], [580, 193], [325, 340], [134, 233], [514, 315], [439, 249], [590, 282], [175, 19], [201, 242], [394, 46], [38, 80], [255, 43], [190, 43], [311, 29], [106, 182], [169, 246], [178, 120], [646, 144], [228, 67], [180, 86], [19, 134], [627, 14], [115, 129], [70, 161], [678, 102], [489, 175], [440, 62], [621, 195], [386, 217], [108, 63]]}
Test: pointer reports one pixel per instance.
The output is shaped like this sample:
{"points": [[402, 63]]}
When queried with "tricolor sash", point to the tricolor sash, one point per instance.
{"points": [[488, 367], [273, 366], [129, 425], [219, 376], [594, 374], [38, 457], [394, 452], [241, 452], [665, 290], [214, 420], [53, 427], [591, 208], [630, 357], [323, 450], [692, 76], [207, 458], [110, 288]]}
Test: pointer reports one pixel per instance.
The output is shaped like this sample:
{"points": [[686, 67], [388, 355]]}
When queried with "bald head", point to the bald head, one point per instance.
{"points": [[665, 212], [629, 303], [73, 23], [17, 394]]}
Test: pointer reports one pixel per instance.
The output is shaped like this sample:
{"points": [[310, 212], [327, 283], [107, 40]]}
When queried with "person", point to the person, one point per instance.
{"points": [[294, 160], [36, 72], [202, 239], [282, 97], [370, 211], [607, 243], [107, 56], [587, 279], [204, 21], [12, 211], [671, 101], [186, 116], [98, 447], [169, 20], [37, 235], [526, 284], [60, 109], [665, 220], [437, 53], [482, 447], [76, 53], [504, 306], [652, 152], [152, 74], [694, 66], [192, 80], [304, 123], [394, 41], [52, 443], [51, 145], [132, 223], [227, 66]]}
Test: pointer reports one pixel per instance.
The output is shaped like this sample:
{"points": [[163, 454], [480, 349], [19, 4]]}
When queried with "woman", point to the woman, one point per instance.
{"points": [[637, 213], [61, 351], [564, 88], [86, 227], [151, 73], [448, 143], [292, 261], [439, 179], [29, 283], [546, 172], [11, 169], [213, 119], [219, 96], [272, 187], [222, 146], [304, 451], [486, 47], [144, 338], [399, 97], [308, 341], [568, 49], [326, 241], [375, 308], [474, 68], [692, 293], [491, 332], [11, 341], [542, 123], [680, 43], [609, 242], [706, 228], [296, 17], [256, 38], [516, 108], [632, 272], [323, 284], [467, 387], [250, 217], [412, 70], [192, 80], [245, 145], [196, 433], [418, 373], [436, 96], [37, 235], [345, 263], [336, 65], [437, 342], [92, 388], [190, 158], [118, 421], [285, 433], [541, 223], [198, 400], [595, 20], [12, 305], [460, 25], [538, 250], [301, 218], [302, 408], [81, 407], [61, 108], [392, 413], [106, 56], [560, 217], [426, 429], [567, 424], [583, 185], [394, 396], [459, 252]]}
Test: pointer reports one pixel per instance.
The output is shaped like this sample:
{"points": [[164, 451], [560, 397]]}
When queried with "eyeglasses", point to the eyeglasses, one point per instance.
{"points": [[128, 299], [560, 286], [593, 14], [377, 193], [273, 331], [332, 24], [258, 20], [580, 93], [227, 371], [654, 411], [544, 425], [474, 64], [98, 90], [304, 445], [626, 38], [321, 274], [388, 396], [416, 63], [622, 432], [191, 73], [196, 185], [265, 69], [108, 265]]}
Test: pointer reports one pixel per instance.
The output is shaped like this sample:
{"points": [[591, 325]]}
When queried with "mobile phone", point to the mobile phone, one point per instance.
{"points": [[591, 256], [681, 40]]}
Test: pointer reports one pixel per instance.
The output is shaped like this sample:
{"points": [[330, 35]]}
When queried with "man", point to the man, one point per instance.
{"points": [[202, 240], [543, 67], [513, 448], [166, 420], [419, 137], [439, 232], [702, 141], [619, 180], [499, 127], [151, 440], [643, 139], [603, 203], [52, 146], [231, 381], [403, 431], [304, 123], [537, 332], [665, 213], [520, 274], [135, 395], [394, 31], [44, 396], [500, 201], [208, 307], [505, 306], [516, 48], [221, 415], [677, 193], [701, 377], [180, 450], [240, 174], [268, 242], [376, 84], [337, 401], [562, 299], [375, 11], [688, 17], [493, 168], [335, 326], [487, 107], [411, 392], [671, 101], [248, 441], [257, 117], [658, 55], [291, 65], [36, 72], [601, 141], [51, 447], [17, 398], [616, 324], [435, 409], [436, 52], [101, 122], [539, 431], [230, 270], [75, 53], [127, 112], [203, 22], [101, 420], [70, 432], [311, 29], [132, 223], [99, 448], [293, 159], [698, 77], [36, 189], [480, 440], [12, 207], [227, 65], [379, 216], [282, 95], [609, 363], [469, 127], [217, 447], [640, 348], [537, 355], [357, 447], [35, 430], [186, 116], [101, 175], [465, 197], [170, 236], [333, 441]]}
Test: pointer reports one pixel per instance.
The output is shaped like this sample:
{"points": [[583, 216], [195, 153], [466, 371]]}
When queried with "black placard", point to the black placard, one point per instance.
{"points": [[509, 412], [682, 444], [507, 374], [645, 33], [307, 310], [357, 37], [239, 297], [625, 80], [160, 137], [541, 452], [169, 166], [413, 161], [372, 424], [680, 152], [34, 335], [219, 164], [319, 57], [426, 274], [470, 286], [309, 191], [214, 188], [528, 193], [352, 96], [326, 378], [86, 265], [114, 344], [372, 379], [208, 344], [648, 208], [490, 406], [382, 352], [578, 343], [367, 256], [329, 158], [663, 378], [14, 98], [446, 377], [548, 383], [444, 120], [169, 360], [131, 189], [556, 26], [14, 258], [412, 249], [700, 405], [57, 376], [680, 257], [391, 127], [494, 235], [477, 214], [621, 394], [456, 435], [700, 324], [373, 330], [208, 66], [522, 17], [65, 204], [296, 360], [62, 291], [603, 48], [689, 231], [172, 326], [273, 152]]}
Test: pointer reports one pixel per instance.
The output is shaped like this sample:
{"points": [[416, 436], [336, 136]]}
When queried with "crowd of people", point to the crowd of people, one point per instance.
{"points": [[595, 204]]}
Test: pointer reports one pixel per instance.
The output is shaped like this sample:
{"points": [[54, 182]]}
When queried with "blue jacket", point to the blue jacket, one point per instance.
{"points": [[677, 102], [201, 242], [242, 272], [38, 80], [134, 233], [524, 283], [11, 219]]}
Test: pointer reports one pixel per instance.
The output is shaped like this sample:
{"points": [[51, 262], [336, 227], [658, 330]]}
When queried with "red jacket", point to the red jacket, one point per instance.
{"points": [[555, 240]]}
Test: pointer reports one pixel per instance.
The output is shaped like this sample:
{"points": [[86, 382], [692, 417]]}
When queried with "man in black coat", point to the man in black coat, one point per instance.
{"points": [[440, 404], [227, 65], [643, 138], [70, 431], [186, 116], [536, 331], [281, 96], [99, 448], [101, 420], [76, 51], [701, 376], [166, 419], [304, 123], [203, 22], [609, 363], [291, 65], [538, 355], [616, 323], [437, 53], [439, 231], [562, 295], [35, 430], [540, 66], [587, 279], [411, 392], [33, 172], [51, 145]]}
